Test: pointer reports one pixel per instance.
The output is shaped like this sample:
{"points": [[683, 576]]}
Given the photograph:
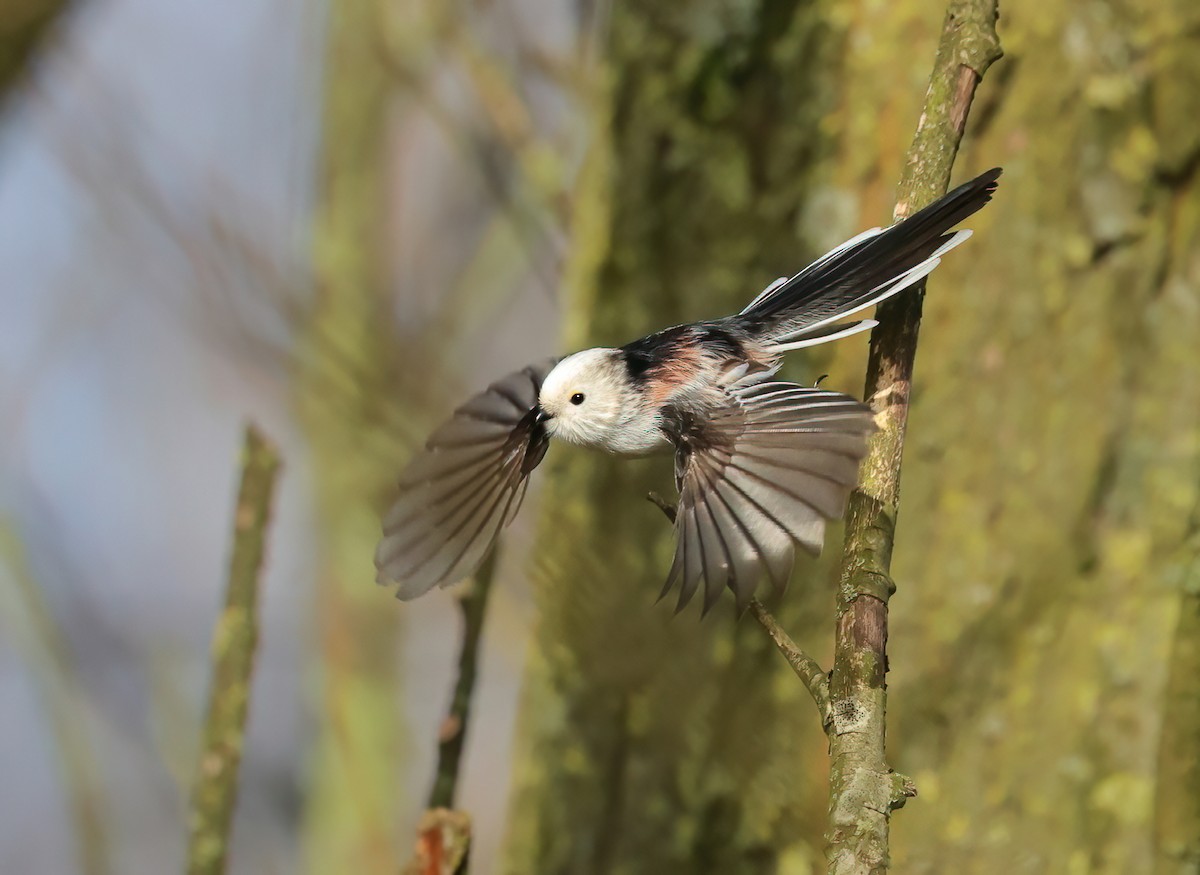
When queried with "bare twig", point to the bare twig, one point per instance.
{"points": [[662, 504], [444, 835], [235, 641], [454, 728], [863, 789], [806, 668]]}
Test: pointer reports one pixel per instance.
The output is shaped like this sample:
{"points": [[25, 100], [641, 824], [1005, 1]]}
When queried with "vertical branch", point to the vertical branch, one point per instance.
{"points": [[453, 731], [863, 789], [444, 835], [235, 640]]}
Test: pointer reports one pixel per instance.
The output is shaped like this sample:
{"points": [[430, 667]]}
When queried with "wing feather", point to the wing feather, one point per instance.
{"points": [[807, 308], [463, 488], [760, 472]]}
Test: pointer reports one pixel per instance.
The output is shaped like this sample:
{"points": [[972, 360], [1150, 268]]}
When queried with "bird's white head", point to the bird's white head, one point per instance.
{"points": [[586, 397]]}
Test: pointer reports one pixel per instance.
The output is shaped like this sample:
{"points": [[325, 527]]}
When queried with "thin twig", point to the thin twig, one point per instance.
{"points": [[814, 678], [863, 790], [444, 835], [235, 641], [806, 668], [454, 727], [662, 504]]}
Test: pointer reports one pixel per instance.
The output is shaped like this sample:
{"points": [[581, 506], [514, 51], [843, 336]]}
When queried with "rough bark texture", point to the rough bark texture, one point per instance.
{"points": [[1055, 461], [234, 646], [1177, 800], [863, 788], [1051, 476]]}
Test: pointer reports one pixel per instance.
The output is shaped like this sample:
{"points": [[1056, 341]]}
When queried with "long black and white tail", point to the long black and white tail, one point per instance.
{"points": [[804, 310]]}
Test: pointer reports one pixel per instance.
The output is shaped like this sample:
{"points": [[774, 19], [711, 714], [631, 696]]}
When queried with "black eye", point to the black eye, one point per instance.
{"points": [[577, 398]]}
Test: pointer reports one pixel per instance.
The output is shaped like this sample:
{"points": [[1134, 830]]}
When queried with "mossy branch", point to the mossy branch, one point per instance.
{"points": [[806, 668], [863, 790], [235, 642]]}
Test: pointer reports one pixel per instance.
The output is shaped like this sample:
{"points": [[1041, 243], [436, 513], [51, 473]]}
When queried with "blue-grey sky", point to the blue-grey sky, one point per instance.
{"points": [[156, 183], [121, 399]]}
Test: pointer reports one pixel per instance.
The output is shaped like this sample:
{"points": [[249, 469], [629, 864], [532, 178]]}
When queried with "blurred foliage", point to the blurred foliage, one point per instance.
{"points": [[660, 746], [24, 25], [375, 376], [1047, 546], [29, 623], [343, 387]]}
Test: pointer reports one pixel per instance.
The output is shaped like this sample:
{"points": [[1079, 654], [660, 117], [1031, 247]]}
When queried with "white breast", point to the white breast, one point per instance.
{"points": [[639, 436]]}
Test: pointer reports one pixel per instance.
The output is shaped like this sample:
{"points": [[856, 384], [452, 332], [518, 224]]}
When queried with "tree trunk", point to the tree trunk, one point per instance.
{"points": [[347, 359], [1048, 527], [1046, 548], [656, 745]]}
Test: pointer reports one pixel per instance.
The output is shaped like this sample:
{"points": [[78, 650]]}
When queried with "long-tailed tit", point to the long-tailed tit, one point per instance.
{"points": [[759, 463]]}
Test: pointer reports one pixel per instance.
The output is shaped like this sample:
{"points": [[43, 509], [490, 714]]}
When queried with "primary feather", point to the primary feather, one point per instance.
{"points": [[464, 487]]}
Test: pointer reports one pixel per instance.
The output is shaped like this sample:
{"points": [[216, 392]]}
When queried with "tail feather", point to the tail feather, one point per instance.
{"points": [[864, 270]]}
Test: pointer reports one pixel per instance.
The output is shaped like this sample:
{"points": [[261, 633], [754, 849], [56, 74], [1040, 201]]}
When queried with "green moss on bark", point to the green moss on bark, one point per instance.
{"points": [[655, 745], [1051, 469]]}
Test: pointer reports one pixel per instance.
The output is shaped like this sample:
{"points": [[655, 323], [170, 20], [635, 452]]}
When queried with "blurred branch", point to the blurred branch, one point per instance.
{"points": [[814, 678], [806, 668], [248, 297], [509, 131], [444, 835], [53, 665], [235, 641], [23, 28], [454, 728], [863, 789]]}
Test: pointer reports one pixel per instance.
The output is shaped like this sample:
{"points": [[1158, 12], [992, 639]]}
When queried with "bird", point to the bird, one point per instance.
{"points": [[761, 464]]}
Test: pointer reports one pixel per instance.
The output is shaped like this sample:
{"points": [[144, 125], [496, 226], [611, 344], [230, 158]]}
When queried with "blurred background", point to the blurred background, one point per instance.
{"points": [[340, 218]]}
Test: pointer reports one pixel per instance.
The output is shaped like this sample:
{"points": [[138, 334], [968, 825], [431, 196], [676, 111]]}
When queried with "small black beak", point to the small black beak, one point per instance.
{"points": [[541, 416]]}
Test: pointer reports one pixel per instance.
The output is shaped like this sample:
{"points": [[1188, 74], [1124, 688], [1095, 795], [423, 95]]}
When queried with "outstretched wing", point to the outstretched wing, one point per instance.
{"points": [[464, 487], [765, 469]]}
